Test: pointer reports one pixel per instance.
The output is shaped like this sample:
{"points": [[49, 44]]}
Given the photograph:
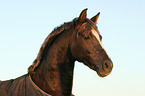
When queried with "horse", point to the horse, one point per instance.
{"points": [[51, 73]]}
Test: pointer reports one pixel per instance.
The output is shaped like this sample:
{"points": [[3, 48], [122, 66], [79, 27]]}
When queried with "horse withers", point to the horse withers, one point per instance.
{"points": [[51, 74]]}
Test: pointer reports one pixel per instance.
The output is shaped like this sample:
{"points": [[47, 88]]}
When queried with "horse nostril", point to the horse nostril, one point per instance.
{"points": [[107, 65]]}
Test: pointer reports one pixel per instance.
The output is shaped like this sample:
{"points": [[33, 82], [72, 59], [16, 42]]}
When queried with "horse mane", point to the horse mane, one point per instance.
{"points": [[48, 41]]}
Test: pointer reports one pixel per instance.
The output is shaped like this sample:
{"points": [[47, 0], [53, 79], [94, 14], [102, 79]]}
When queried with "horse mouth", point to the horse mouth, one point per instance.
{"points": [[103, 74]]}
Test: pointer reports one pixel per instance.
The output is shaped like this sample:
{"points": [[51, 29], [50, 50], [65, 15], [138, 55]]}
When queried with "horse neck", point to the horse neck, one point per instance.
{"points": [[55, 73]]}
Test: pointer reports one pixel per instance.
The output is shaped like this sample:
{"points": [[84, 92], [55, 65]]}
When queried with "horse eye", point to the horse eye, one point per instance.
{"points": [[85, 34]]}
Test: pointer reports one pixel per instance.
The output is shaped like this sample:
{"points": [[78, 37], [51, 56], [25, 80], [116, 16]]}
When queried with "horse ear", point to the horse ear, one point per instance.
{"points": [[95, 18], [83, 15]]}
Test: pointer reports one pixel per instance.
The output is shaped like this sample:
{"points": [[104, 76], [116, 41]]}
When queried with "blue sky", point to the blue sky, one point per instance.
{"points": [[24, 25]]}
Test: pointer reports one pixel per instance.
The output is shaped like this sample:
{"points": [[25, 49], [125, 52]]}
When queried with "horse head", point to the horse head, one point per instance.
{"points": [[86, 45]]}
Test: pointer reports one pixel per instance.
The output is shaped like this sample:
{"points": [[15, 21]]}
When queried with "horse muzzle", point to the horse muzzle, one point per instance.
{"points": [[105, 69]]}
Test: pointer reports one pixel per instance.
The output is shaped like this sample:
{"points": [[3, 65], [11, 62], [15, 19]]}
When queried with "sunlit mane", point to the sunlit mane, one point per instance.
{"points": [[48, 41]]}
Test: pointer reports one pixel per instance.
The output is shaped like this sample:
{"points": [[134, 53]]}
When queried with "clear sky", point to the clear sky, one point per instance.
{"points": [[24, 25]]}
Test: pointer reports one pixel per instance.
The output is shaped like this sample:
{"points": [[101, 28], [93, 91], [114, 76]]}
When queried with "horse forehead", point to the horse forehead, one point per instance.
{"points": [[96, 34]]}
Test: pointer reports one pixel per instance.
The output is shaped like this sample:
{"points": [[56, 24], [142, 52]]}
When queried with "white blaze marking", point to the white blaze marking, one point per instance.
{"points": [[96, 34]]}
